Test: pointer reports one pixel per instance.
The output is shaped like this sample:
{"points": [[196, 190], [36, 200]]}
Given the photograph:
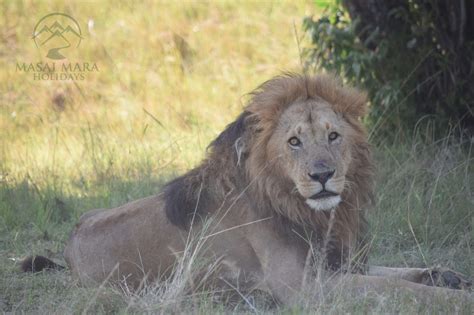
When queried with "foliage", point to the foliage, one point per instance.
{"points": [[413, 62]]}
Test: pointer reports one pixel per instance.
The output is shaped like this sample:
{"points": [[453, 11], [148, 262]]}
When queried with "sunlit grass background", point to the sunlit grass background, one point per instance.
{"points": [[171, 76]]}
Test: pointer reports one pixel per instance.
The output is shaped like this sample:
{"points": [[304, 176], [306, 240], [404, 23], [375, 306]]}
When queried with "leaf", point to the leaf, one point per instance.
{"points": [[356, 69], [411, 43], [322, 4]]}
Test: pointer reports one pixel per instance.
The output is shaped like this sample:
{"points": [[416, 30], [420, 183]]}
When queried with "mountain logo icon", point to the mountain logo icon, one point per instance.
{"points": [[56, 33]]}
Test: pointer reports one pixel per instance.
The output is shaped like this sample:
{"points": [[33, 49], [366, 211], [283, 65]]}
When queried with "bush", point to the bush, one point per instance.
{"points": [[414, 57]]}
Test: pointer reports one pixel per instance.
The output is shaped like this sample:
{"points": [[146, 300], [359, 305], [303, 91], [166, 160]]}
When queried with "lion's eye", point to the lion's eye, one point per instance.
{"points": [[294, 142], [333, 136]]}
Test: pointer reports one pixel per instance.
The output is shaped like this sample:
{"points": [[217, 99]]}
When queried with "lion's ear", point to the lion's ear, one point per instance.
{"points": [[234, 140], [231, 133], [240, 147]]}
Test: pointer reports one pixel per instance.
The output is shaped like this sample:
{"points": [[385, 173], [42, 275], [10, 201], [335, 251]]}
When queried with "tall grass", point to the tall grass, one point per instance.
{"points": [[171, 77]]}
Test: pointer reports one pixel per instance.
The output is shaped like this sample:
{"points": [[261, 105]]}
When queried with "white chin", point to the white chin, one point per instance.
{"points": [[324, 203]]}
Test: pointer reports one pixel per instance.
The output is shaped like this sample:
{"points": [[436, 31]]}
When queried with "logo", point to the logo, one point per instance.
{"points": [[56, 35], [56, 32]]}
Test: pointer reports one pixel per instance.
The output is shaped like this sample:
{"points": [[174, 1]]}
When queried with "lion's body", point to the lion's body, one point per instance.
{"points": [[265, 212], [142, 242], [137, 240]]}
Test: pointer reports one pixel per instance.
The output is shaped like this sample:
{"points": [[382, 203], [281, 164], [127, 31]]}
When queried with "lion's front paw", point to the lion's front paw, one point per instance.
{"points": [[443, 277]]}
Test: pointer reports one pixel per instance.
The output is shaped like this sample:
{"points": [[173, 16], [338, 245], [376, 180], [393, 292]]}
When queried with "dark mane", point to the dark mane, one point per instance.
{"points": [[186, 197], [189, 194]]}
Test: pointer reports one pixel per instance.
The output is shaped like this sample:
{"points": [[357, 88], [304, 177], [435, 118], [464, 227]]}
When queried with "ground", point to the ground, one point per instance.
{"points": [[169, 78]]}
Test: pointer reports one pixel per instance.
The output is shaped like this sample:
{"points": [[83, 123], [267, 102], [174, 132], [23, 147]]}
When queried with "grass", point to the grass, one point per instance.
{"points": [[170, 77]]}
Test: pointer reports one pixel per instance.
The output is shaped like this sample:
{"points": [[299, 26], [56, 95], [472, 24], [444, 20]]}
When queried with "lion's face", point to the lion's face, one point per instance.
{"points": [[312, 143]]}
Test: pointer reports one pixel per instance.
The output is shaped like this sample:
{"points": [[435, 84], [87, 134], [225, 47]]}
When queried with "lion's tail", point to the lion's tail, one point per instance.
{"points": [[39, 263]]}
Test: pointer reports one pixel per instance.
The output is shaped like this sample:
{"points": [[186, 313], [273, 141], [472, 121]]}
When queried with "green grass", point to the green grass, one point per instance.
{"points": [[150, 112]]}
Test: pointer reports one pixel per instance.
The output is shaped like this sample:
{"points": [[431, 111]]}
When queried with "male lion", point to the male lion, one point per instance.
{"points": [[292, 174]]}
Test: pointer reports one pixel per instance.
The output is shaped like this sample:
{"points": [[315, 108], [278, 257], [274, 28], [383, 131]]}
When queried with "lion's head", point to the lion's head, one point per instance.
{"points": [[307, 142]]}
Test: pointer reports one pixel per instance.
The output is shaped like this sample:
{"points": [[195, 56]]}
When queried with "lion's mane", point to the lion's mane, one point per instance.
{"points": [[237, 166]]}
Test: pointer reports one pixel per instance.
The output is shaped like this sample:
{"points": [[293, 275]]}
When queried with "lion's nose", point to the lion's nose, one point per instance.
{"points": [[322, 177]]}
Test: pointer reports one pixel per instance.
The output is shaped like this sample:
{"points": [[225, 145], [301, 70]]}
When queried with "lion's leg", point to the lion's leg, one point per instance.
{"points": [[283, 266], [409, 274], [427, 276], [361, 283], [283, 276]]}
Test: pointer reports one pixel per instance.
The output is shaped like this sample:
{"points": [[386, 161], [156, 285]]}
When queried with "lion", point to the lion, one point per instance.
{"points": [[292, 175]]}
